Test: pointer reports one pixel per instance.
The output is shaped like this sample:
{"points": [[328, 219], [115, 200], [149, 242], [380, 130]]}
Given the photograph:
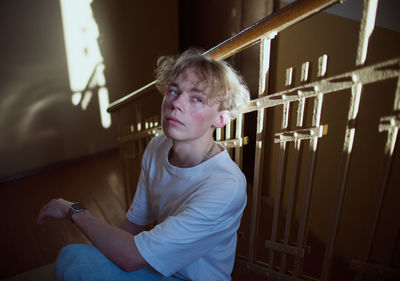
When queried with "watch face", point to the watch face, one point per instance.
{"points": [[77, 207]]}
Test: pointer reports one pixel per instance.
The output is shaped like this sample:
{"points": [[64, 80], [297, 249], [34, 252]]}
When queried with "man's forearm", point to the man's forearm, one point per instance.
{"points": [[132, 227], [115, 243]]}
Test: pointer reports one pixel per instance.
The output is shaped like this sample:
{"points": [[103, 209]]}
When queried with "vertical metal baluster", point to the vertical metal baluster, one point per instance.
{"points": [[366, 29], [322, 65], [218, 134], [289, 76], [305, 201], [228, 132], [306, 198], [294, 171], [291, 201], [300, 110], [239, 135], [387, 164], [347, 149], [285, 113], [265, 46], [281, 175]]}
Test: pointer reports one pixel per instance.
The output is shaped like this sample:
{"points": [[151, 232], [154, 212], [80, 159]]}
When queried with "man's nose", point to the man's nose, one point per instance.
{"points": [[180, 102]]}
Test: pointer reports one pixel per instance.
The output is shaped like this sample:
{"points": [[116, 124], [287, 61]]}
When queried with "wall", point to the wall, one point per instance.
{"points": [[39, 126]]}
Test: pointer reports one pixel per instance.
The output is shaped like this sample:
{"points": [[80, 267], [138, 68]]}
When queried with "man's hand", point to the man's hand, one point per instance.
{"points": [[56, 208], [115, 243]]}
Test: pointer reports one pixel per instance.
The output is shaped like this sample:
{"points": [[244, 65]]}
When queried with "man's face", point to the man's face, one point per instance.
{"points": [[186, 112]]}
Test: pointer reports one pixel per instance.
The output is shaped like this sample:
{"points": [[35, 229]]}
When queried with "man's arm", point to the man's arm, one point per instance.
{"points": [[115, 243], [132, 227]]}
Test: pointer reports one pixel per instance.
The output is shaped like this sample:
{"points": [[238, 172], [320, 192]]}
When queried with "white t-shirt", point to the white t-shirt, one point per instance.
{"points": [[197, 210]]}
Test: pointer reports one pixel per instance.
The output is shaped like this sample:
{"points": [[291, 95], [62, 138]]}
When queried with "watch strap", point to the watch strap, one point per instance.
{"points": [[75, 208]]}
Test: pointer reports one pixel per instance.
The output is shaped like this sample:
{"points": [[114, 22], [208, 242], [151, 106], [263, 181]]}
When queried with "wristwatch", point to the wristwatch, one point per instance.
{"points": [[75, 209]]}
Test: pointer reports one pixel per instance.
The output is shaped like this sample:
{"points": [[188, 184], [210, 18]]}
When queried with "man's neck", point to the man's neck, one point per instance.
{"points": [[187, 154]]}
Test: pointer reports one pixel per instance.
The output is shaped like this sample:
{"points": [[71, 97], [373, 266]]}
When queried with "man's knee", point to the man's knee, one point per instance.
{"points": [[71, 260]]}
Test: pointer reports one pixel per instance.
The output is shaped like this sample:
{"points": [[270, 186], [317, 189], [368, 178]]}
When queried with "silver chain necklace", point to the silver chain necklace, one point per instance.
{"points": [[208, 154]]}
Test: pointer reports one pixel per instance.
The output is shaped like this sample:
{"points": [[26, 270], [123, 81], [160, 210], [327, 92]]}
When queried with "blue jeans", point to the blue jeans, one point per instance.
{"points": [[83, 262]]}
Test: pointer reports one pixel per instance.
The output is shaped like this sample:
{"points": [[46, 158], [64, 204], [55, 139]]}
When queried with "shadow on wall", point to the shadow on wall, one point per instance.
{"points": [[39, 124]]}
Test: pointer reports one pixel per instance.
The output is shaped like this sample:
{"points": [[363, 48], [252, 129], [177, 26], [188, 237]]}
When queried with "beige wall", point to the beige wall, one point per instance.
{"points": [[39, 126]]}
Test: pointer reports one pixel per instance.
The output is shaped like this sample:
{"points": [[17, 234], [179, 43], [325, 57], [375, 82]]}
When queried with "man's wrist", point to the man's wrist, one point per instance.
{"points": [[75, 208]]}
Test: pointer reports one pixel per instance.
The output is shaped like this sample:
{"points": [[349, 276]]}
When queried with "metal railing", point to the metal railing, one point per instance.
{"points": [[287, 244]]}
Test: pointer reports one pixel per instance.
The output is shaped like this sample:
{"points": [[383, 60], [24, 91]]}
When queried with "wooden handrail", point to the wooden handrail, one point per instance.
{"points": [[129, 98], [267, 27]]}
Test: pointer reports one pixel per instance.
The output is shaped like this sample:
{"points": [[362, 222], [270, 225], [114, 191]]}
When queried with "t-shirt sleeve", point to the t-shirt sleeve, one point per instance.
{"points": [[189, 235]]}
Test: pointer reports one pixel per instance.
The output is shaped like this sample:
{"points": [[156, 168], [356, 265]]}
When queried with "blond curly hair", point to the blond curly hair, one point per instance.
{"points": [[226, 85]]}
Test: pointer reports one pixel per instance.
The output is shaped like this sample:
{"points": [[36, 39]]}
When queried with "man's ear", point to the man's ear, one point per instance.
{"points": [[222, 118]]}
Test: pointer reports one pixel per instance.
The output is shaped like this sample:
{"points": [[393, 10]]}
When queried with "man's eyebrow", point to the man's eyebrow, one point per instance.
{"points": [[172, 84], [197, 90], [192, 90]]}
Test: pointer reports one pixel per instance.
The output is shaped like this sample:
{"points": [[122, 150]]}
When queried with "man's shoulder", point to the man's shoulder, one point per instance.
{"points": [[225, 171], [158, 139], [225, 163], [159, 142], [156, 149]]}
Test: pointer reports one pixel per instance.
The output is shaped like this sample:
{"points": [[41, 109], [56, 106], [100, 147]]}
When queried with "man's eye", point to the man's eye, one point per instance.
{"points": [[197, 99], [173, 92]]}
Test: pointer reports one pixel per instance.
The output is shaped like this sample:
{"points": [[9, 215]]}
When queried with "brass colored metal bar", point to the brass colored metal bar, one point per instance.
{"points": [[228, 135], [291, 200], [346, 156], [239, 135], [296, 165], [363, 75], [305, 71], [305, 201], [396, 108], [301, 134], [228, 130], [259, 152], [391, 124], [379, 204], [235, 143], [279, 188], [366, 28], [267, 27], [322, 65], [300, 112], [386, 124], [289, 76], [218, 134], [285, 248], [285, 113]]}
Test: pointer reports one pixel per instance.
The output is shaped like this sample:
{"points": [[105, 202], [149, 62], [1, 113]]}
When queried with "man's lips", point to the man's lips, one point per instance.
{"points": [[173, 121]]}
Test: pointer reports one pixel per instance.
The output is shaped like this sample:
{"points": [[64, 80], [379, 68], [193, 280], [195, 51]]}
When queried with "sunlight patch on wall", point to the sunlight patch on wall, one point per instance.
{"points": [[84, 59]]}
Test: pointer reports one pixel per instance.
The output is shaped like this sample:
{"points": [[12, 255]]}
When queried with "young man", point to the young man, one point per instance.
{"points": [[188, 186]]}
